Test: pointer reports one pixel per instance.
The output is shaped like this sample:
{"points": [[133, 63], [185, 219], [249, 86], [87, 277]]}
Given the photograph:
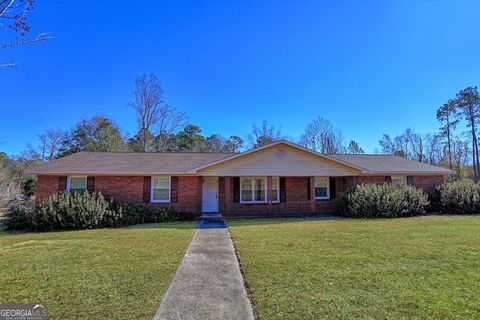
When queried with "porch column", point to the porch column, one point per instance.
{"points": [[312, 195], [228, 195], [269, 193]]}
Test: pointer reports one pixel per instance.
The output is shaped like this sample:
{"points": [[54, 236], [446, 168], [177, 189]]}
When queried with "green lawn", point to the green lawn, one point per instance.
{"points": [[93, 274], [413, 268]]}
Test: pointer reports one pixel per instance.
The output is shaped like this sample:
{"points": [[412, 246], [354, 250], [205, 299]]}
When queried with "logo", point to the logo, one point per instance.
{"points": [[23, 312], [280, 154]]}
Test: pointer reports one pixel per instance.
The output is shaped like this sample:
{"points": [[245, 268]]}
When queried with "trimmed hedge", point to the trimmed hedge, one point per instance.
{"points": [[65, 211], [458, 197], [383, 201], [18, 217], [136, 213]]}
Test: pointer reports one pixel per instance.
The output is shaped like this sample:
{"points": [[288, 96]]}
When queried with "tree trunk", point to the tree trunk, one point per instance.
{"points": [[474, 144], [474, 161], [477, 160], [144, 139], [449, 142]]}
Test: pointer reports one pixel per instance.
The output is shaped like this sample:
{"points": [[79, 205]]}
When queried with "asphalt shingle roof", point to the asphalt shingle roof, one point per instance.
{"points": [[127, 163], [381, 163], [135, 163]]}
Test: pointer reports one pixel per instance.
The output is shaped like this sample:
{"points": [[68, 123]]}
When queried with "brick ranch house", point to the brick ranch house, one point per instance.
{"points": [[281, 177]]}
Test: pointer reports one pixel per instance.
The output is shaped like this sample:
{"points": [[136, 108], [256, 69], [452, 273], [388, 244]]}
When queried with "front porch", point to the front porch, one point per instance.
{"points": [[271, 196]]}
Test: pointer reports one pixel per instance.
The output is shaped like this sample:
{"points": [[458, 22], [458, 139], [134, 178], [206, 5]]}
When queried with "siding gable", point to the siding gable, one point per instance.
{"points": [[279, 160]]}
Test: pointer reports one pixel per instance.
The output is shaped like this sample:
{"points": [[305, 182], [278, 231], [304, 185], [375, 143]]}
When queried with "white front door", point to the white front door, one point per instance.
{"points": [[210, 194]]}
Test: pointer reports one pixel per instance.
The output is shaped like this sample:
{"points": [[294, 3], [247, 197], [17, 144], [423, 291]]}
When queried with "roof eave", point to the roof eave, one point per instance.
{"points": [[89, 173], [423, 173]]}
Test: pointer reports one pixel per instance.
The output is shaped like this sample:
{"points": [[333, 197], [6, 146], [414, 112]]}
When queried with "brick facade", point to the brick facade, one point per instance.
{"points": [[48, 185], [130, 189], [427, 183], [297, 200]]}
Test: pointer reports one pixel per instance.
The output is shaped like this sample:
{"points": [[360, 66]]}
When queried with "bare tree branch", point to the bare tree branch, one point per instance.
{"points": [[321, 136], [153, 115], [20, 42], [9, 65], [4, 6], [15, 12]]}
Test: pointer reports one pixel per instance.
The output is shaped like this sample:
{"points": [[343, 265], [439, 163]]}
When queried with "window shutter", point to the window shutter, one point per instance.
{"points": [[236, 189], [174, 189], [332, 187], [308, 188], [146, 188], [90, 184], [283, 191], [410, 180], [62, 184]]}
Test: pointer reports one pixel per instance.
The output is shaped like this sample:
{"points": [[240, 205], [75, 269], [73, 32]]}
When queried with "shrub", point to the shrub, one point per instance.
{"points": [[458, 197], [383, 201], [164, 214], [29, 188], [134, 213], [87, 211], [19, 217], [75, 210]]}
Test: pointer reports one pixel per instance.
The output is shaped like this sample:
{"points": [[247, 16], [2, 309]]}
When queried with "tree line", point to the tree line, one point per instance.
{"points": [[161, 127], [454, 145]]}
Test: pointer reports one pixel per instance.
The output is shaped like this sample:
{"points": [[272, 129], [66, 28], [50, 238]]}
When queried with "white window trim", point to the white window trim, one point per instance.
{"points": [[68, 182], [404, 178], [253, 190], [327, 197], [278, 189], [169, 189]]}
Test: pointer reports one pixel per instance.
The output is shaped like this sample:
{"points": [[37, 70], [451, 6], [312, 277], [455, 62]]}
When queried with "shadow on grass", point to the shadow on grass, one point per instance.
{"points": [[266, 221], [181, 225], [237, 222], [164, 225]]}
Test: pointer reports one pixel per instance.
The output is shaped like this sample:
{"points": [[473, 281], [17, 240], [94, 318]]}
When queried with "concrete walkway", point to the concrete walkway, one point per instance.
{"points": [[208, 284]]}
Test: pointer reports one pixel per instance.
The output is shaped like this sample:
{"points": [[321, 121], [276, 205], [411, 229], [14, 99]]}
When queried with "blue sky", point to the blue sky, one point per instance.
{"points": [[368, 66]]}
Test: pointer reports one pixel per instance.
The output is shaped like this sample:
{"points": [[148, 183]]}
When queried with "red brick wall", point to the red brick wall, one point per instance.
{"points": [[427, 183], [46, 186], [356, 180], [122, 189], [130, 189]]}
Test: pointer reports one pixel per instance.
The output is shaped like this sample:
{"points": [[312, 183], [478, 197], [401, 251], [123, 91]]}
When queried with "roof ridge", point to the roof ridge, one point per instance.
{"points": [[365, 154], [156, 152]]}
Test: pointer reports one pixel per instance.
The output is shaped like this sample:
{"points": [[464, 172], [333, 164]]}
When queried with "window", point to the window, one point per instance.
{"points": [[246, 190], [77, 184], [160, 189], [260, 190], [253, 190], [399, 180], [322, 188], [275, 189]]}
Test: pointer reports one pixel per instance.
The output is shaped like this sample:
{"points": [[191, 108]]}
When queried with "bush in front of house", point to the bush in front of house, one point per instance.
{"points": [[164, 214], [64, 211], [18, 217], [134, 213], [383, 201], [75, 211], [458, 197]]}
